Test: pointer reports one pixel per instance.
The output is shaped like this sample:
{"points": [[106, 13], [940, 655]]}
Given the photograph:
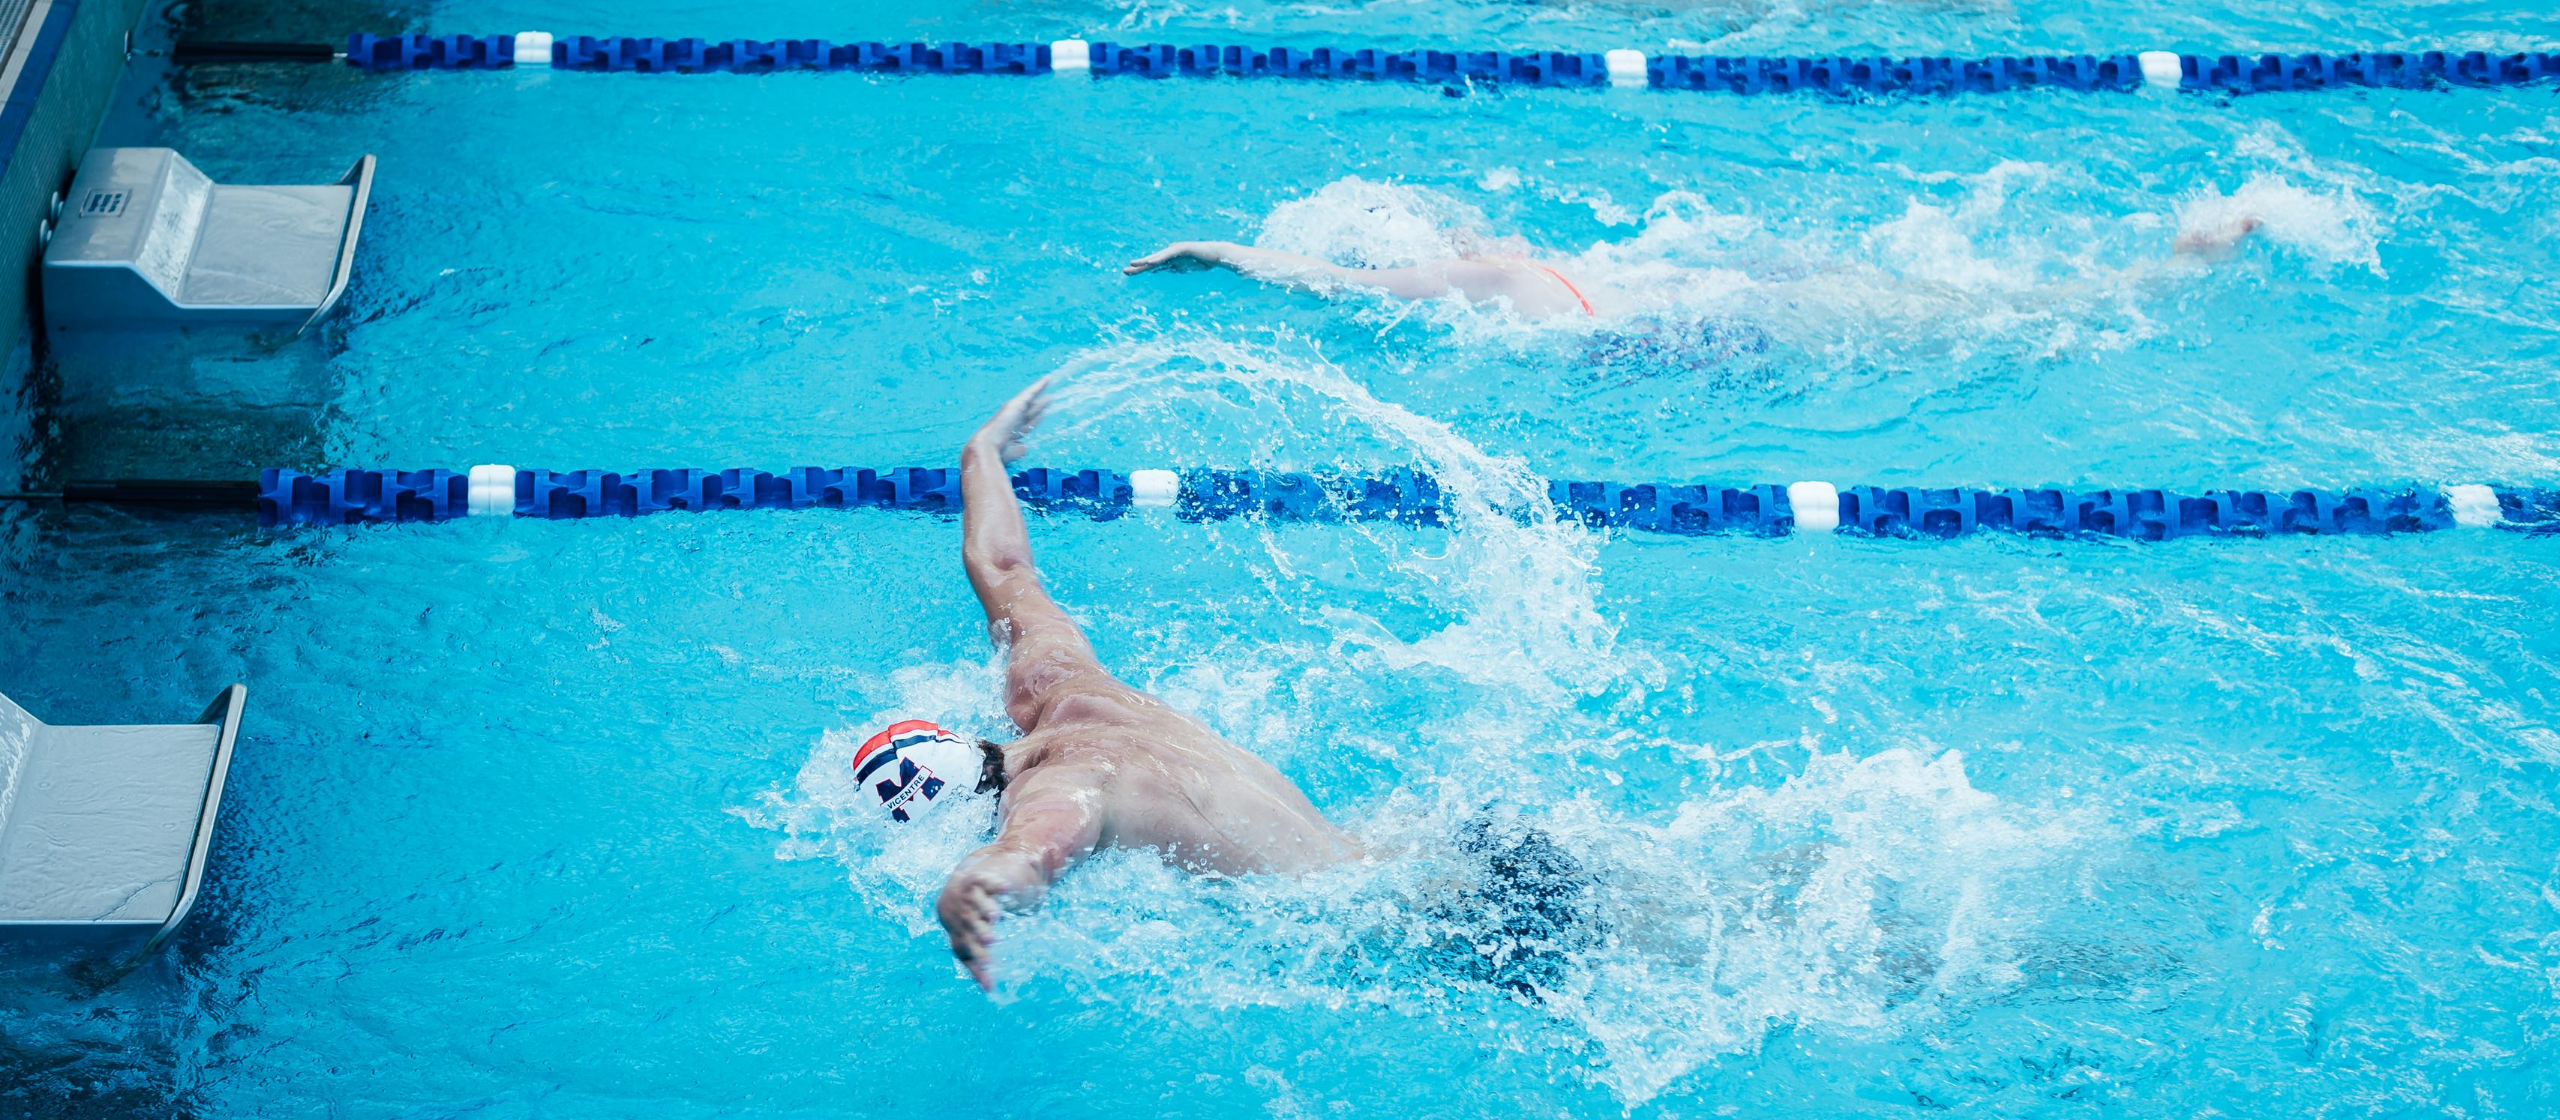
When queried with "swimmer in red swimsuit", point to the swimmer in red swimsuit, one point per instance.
{"points": [[1531, 289]]}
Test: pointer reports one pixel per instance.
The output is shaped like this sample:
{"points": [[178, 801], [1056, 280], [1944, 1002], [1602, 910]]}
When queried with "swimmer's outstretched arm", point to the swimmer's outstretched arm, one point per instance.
{"points": [[1044, 648], [1051, 814], [1300, 273]]}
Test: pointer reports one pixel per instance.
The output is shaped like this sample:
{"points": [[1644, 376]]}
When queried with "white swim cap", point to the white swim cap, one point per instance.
{"points": [[913, 765]]}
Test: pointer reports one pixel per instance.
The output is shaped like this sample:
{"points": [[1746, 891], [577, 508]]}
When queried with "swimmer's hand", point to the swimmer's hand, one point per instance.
{"points": [[992, 880], [1181, 256], [968, 909], [1003, 432], [2218, 239]]}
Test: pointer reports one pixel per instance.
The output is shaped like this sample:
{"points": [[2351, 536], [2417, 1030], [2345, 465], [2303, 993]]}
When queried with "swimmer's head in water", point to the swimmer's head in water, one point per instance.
{"points": [[1477, 245], [913, 766]]}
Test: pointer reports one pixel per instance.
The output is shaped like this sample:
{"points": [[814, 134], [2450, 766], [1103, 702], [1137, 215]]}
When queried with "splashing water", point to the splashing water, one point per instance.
{"points": [[1861, 894], [2005, 265], [2007, 262], [1519, 582], [2325, 229], [1362, 223], [1867, 897]]}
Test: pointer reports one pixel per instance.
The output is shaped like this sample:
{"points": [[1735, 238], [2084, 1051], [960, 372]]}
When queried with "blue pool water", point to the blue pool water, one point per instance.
{"points": [[550, 819]]}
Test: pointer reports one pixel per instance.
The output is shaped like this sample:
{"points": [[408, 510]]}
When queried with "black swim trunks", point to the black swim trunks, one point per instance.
{"points": [[1526, 909]]}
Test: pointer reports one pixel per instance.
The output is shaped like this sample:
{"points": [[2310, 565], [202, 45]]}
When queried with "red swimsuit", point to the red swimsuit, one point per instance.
{"points": [[1568, 286]]}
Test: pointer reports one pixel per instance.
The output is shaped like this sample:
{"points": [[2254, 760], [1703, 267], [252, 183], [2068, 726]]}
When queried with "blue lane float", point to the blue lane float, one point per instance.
{"points": [[1837, 75], [350, 497]]}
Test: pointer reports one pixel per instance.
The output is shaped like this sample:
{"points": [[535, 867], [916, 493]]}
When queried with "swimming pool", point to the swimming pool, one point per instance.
{"points": [[546, 819]]}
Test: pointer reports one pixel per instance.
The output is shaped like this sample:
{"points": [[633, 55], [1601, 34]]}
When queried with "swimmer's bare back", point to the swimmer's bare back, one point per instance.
{"points": [[1099, 764], [1532, 290]]}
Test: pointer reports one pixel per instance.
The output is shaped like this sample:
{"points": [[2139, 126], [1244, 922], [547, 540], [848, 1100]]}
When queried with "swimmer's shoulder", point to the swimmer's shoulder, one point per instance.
{"points": [[1093, 699], [1055, 753]]}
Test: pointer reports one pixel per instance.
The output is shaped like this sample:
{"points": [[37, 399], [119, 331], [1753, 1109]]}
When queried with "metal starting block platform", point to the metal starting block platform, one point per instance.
{"points": [[104, 829], [146, 239]]}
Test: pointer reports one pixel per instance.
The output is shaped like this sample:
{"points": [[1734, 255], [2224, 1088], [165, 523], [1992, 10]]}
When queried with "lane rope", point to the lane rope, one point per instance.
{"points": [[357, 496], [1837, 75]]}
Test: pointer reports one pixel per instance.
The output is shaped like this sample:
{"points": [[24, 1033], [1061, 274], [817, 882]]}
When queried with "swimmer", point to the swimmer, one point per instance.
{"points": [[1532, 289], [1102, 764], [1099, 763]]}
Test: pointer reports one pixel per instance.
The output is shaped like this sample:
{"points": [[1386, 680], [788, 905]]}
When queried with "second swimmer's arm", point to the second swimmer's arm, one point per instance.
{"points": [[1296, 271]]}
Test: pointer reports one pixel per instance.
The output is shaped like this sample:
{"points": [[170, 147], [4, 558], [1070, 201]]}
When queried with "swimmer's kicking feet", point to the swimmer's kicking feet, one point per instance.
{"points": [[1098, 764]]}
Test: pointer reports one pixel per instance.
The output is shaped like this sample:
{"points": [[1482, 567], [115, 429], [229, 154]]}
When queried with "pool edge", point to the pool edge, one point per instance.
{"points": [[68, 59]]}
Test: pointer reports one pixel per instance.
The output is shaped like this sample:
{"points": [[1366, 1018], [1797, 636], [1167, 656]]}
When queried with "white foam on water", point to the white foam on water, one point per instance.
{"points": [[1865, 894], [2327, 228], [1363, 223]]}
